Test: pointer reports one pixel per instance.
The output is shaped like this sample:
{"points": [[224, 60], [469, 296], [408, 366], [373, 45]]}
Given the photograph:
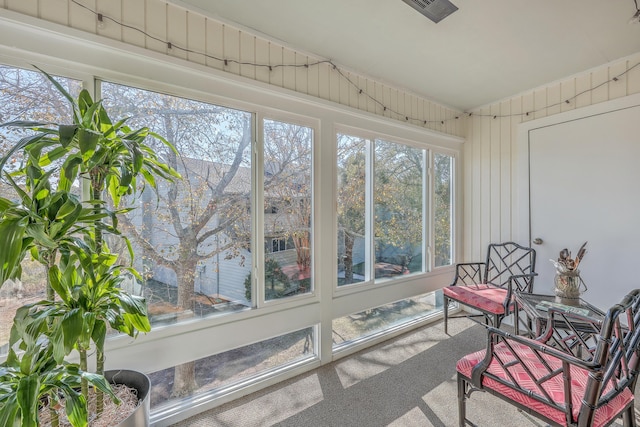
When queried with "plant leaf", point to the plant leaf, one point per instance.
{"points": [[71, 328], [27, 395], [88, 141], [9, 412], [57, 85], [12, 231], [76, 409], [67, 132]]}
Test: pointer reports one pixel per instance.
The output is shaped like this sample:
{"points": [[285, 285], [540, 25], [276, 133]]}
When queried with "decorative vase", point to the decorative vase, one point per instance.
{"points": [[568, 286], [140, 382]]}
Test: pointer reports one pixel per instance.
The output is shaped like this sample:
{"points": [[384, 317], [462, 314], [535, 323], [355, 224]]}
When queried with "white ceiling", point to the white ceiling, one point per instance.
{"points": [[486, 51]]}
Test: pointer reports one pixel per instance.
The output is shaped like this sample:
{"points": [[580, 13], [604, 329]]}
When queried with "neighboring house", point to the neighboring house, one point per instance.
{"points": [[222, 274]]}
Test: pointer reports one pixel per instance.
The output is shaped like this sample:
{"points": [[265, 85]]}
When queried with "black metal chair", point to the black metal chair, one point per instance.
{"points": [[554, 385], [488, 286]]}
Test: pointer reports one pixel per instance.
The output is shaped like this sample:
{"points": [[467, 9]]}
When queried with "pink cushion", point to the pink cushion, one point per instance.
{"points": [[553, 386], [484, 297]]}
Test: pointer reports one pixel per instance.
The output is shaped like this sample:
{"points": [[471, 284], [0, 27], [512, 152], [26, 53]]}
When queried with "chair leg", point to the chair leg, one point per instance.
{"points": [[462, 401], [445, 300], [629, 417]]}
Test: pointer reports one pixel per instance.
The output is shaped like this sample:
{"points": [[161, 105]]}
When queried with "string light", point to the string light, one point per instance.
{"points": [[101, 23], [226, 61], [566, 101]]}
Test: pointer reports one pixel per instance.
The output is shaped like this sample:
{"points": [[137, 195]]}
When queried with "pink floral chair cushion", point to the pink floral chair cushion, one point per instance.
{"points": [[483, 297]]}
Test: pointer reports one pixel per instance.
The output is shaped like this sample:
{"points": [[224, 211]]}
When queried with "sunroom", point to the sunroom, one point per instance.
{"points": [[337, 161]]}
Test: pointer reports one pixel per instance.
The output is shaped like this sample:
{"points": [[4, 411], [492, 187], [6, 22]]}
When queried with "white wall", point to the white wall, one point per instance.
{"points": [[580, 170], [494, 205], [490, 153]]}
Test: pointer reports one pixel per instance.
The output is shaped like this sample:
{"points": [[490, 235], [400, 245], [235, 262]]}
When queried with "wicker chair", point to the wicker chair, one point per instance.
{"points": [[556, 386], [488, 286]]}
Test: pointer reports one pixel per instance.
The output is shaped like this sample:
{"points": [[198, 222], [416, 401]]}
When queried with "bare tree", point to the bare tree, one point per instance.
{"points": [[206, 213], [287, 183]]}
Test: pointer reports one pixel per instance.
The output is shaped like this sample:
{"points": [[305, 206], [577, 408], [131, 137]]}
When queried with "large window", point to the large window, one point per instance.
{"points": [[191, 237], [226, 253], [399, 212], [215, 373], [381, 209], [383, 206], [366, 324], [287, 193], [443, 209]]}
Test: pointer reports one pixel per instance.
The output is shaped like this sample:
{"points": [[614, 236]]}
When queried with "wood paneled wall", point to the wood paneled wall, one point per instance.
{"points": [[491, 150], [202, 39]]}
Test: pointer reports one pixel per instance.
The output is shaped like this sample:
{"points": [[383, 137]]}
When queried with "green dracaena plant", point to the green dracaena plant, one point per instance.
{"points": [[111, 156], [42, 221], [91, 300], [65, 234]]}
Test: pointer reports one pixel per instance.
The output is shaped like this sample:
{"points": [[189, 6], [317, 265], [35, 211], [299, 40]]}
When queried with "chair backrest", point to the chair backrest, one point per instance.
{"points": [[618, 351], [505, 260]]}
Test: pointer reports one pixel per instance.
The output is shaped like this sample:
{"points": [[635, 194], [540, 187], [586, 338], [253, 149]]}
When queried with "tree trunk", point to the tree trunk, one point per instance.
{"points": [[184, 375], [184, 381], [185, 272], [348, 258]]}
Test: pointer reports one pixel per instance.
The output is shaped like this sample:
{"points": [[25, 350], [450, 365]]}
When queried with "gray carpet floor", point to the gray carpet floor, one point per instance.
{"points": [[405, 381]]}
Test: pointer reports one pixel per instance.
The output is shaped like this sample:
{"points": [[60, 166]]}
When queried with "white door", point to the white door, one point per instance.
{"points": [[584, 185]]}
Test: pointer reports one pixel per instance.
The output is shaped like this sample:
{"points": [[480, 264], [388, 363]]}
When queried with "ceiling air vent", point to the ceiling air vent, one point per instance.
{"points": [[436, 10]]}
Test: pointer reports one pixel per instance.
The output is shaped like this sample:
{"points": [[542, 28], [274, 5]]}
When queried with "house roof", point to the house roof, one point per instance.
{"points": [[199, 170]]}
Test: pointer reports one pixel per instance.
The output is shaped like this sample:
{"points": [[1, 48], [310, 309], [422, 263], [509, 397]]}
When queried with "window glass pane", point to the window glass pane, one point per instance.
{"points": [[443, 209], [222, 370], [398, 194], [352, 198], [26, 95], [287, 189], [358, 326], [192, 237]]}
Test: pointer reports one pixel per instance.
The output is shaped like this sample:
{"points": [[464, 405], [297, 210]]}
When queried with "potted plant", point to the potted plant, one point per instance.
{"points": [[67, 236], [34, 376]]}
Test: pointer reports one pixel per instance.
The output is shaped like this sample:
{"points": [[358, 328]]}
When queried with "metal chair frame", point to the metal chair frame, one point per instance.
{"points": [[508, 265], [612, 368]]}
